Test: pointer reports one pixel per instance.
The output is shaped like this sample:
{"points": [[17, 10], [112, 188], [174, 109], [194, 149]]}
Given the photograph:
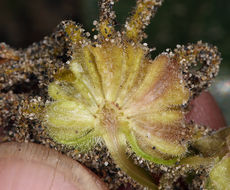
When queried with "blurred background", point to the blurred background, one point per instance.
{"points": [[23, 22]]}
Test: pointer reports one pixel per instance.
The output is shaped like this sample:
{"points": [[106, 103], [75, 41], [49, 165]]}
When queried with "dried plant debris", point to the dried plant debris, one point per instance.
{"points": [[104, 102]]}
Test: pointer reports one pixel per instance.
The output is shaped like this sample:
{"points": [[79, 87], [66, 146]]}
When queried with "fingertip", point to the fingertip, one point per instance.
{"points": [[205, 111]]}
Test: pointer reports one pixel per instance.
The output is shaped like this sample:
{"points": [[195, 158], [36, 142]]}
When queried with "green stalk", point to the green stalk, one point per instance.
{"points": [[116, 143]]}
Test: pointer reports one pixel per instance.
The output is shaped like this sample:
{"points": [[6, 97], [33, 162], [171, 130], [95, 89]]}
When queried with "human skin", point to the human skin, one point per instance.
{"points": [[22, 174], [205, 111]]}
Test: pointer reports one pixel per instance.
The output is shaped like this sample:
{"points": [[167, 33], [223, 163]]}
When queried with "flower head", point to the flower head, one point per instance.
{"points": [[113, 92]]}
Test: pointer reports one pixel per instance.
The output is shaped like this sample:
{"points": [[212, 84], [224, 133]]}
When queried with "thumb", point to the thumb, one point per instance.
{"points": [[26, 166]]}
